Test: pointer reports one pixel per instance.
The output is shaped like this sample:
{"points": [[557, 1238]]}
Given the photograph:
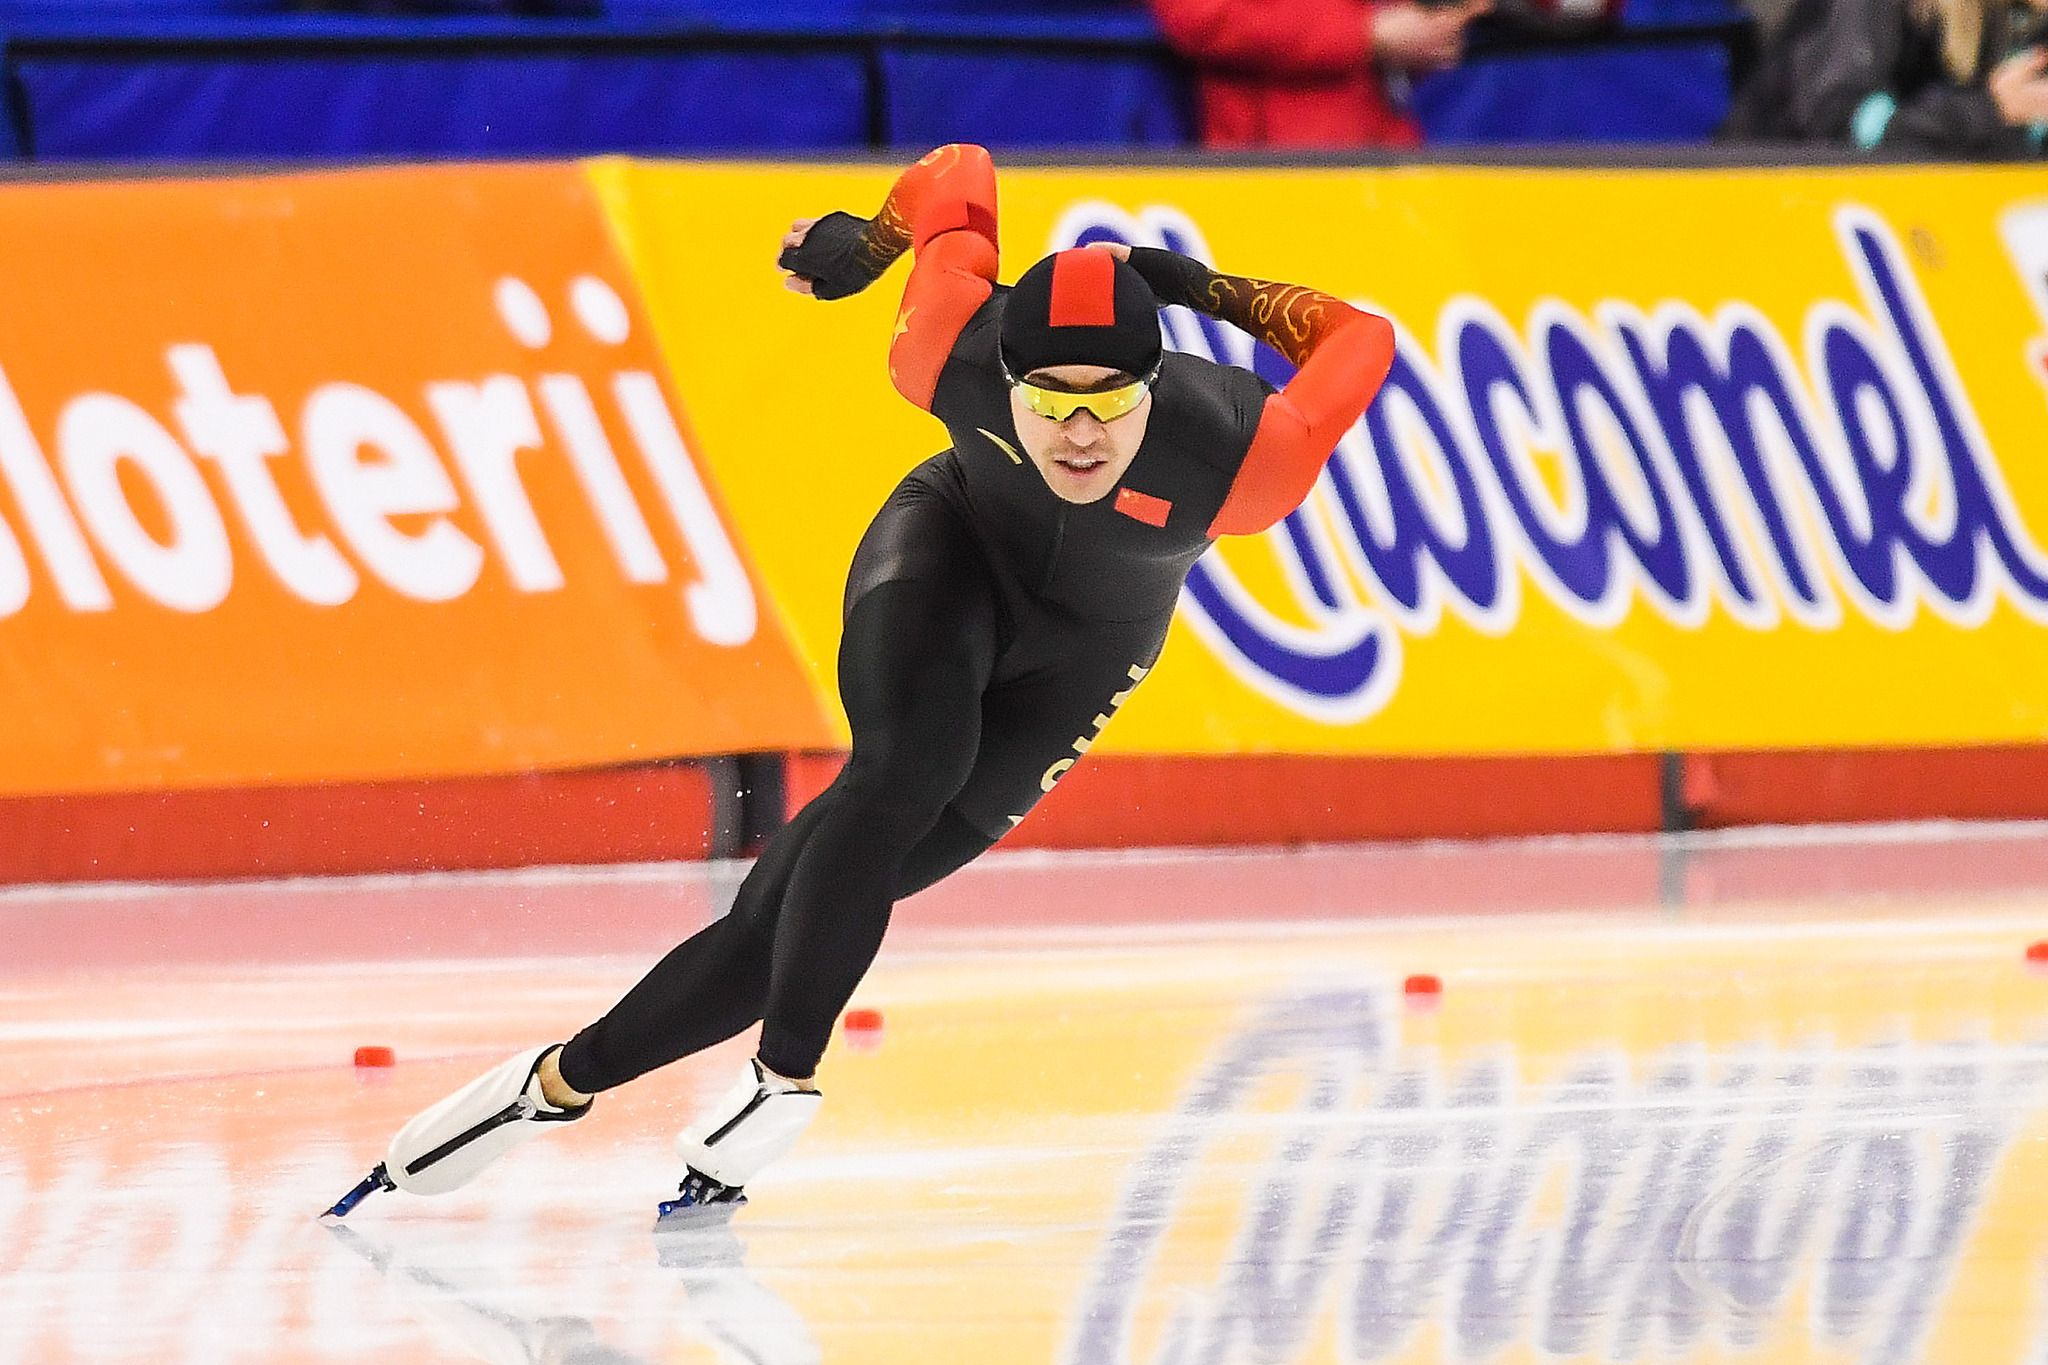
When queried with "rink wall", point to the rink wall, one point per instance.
{"points": [[460, 515]]}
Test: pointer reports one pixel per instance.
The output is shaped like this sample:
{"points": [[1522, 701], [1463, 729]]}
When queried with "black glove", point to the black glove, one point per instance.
{"points": [[835, 257], [1174, 278]]}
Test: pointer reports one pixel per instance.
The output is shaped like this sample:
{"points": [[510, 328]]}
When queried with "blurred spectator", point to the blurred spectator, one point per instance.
{"points": [[1311, 73], [1952, 78]]}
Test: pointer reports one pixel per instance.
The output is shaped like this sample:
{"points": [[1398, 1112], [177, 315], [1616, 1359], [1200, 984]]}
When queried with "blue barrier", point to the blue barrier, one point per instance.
{"points": [[11, 121], [1031, 100], [1665, 93], [475, 105], [667, 76]]}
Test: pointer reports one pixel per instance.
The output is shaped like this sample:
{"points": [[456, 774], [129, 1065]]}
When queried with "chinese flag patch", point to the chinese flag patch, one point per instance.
{"points": [[1143, 506]]}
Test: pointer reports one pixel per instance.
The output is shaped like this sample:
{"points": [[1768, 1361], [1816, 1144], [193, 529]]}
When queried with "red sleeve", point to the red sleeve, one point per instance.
{"points": [[1270, 37], [944, 209], [1343, 356]]}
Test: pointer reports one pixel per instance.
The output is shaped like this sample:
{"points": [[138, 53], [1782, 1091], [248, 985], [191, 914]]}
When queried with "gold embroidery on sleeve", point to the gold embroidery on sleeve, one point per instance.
{"points": [[1291, 318]]}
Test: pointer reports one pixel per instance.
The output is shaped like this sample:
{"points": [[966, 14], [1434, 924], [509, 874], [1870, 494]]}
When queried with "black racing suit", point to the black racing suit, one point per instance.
{"points": [[991, 631]]}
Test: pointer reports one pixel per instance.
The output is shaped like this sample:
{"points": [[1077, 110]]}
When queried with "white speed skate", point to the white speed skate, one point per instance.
{"points": [[447, 1145], [755, 1122]]}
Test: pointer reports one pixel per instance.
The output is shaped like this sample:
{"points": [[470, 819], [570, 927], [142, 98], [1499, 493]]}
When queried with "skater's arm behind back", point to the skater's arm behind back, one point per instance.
{"points": [[1341, 354], [944, 209]]}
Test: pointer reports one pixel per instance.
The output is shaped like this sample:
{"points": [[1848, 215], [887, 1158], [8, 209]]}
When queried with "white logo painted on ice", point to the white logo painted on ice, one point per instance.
{"points": [[1695, 1197]]}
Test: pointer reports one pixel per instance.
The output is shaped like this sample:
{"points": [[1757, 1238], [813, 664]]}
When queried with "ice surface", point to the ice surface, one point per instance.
{"points": [[1772, 1098]]}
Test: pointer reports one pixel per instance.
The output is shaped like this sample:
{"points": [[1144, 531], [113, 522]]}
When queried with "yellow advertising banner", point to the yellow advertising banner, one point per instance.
{"points": [[319, 477], [1691, 459]]}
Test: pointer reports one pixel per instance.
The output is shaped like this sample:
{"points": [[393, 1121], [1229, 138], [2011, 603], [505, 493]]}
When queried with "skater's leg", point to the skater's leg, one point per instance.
{"points": [[949, 846], [1064, 680], [708, 988], [922, 634], [1025, 738], [913, 667], [724, 968], [915, 661], [932, 633]]}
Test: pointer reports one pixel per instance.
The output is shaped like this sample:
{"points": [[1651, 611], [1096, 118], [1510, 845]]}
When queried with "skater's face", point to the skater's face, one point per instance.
{"points": [[1080, 457]]}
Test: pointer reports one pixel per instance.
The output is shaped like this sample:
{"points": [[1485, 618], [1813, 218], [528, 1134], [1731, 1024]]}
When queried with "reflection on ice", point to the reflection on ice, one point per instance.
{"points": [[742, 1319], [477, 1313], [193, 1253], [469, 1323], [1619, 1210]]}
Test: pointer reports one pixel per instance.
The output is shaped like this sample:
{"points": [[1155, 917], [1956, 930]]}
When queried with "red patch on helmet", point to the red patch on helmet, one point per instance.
{"points": [[1083, 288]]}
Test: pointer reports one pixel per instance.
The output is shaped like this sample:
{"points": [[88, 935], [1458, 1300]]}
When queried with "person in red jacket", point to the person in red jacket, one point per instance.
{"points": [[1311, 73]]}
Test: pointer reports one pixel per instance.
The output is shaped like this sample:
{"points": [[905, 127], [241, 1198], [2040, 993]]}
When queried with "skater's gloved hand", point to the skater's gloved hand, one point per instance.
{"points": [[829, 257], [1174, 278]]}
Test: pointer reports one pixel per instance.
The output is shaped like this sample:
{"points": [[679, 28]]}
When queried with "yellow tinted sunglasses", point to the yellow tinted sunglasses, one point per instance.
{"points": [[1059, 404]]}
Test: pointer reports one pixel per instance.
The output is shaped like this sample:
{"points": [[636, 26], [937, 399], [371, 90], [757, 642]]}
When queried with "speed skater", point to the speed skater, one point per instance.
{"points": [[1003, 604]]}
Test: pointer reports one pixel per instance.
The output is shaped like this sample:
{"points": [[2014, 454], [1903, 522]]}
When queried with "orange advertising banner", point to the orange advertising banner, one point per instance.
{"points": [[355, 475]]}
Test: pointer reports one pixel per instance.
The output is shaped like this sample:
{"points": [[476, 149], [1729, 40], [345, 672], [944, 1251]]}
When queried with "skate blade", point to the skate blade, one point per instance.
{"points": [[376, 1180], [684, 1214], [697, 1204], [698, 1192]]}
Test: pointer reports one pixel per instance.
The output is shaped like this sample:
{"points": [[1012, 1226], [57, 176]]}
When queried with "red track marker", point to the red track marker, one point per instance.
{"points": [[1422, 993], [863, 1029], [2037, 958], [376, 1056]]}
